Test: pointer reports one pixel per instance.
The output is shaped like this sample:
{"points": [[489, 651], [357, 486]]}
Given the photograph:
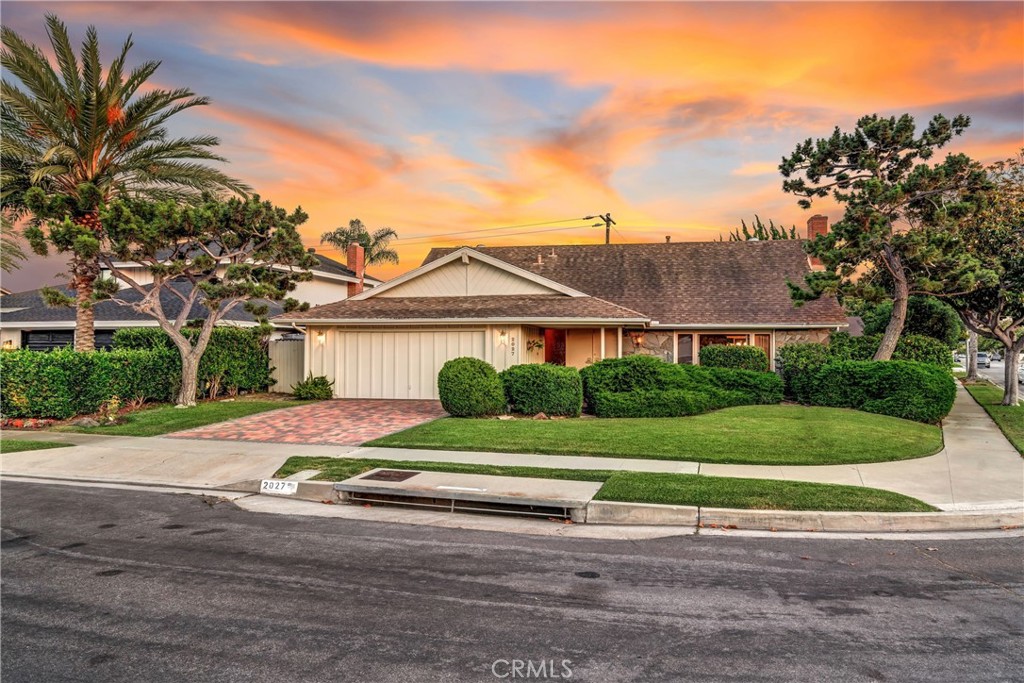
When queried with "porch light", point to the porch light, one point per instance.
{"points": [[637, 337], [8, 344], [321, 338], [502, 337]]}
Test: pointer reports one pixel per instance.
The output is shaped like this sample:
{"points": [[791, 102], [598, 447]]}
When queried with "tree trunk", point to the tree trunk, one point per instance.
{"points": [[189, 380], [84, 271], [1011, 389], [84, 274], [972, 356], [894, 329]]}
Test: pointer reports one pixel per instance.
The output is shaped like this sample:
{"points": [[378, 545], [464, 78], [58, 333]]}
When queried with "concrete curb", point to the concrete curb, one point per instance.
{"points": [[649, 514]]}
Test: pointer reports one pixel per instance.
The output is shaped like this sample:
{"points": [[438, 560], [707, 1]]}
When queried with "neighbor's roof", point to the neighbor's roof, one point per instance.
{"points": [[682, 283], [517, 307], [32, 309], [326, 265]]}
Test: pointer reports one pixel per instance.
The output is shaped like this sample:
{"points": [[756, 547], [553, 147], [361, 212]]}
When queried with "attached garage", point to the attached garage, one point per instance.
{"points": [[386, 364]]}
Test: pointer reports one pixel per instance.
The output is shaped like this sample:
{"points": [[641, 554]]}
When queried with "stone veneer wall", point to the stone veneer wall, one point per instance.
{"points": [[655, 344], [783, 337]]}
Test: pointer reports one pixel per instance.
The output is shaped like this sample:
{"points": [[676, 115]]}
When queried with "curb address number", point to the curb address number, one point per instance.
{"points": [[279, 487]]}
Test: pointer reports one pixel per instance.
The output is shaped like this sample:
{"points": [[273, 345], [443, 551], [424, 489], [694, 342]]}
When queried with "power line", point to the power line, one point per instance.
{"points": [[417, 239], [522, 232]]}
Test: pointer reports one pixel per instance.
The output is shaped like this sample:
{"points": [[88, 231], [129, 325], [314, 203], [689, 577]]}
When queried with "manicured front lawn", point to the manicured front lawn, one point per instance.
{"points": [[644, 487], [756, 435], [1009, 418], [15, 445], [164, 419]]}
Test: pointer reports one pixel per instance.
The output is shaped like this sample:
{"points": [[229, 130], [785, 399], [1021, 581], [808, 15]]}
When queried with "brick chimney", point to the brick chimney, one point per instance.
{"points": [[355, 260], [816, 225]]}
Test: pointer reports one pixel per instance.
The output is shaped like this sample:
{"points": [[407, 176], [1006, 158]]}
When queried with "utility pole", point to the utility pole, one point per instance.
{"points": [[608, 223]]}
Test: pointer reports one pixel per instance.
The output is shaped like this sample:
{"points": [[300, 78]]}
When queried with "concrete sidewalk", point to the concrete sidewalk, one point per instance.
{"points": [[978, 468]]}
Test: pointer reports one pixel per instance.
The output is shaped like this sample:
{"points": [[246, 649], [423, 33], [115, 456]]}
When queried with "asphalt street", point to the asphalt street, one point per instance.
{"points": [[113, 585]]}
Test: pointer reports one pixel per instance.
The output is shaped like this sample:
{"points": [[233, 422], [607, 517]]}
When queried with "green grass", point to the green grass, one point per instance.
{"points": [[1009, 418], [758, 435], [645, 487], [165, 418], [15, 445]]}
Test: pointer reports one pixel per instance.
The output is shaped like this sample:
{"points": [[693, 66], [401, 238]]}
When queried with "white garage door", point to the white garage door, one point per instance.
{"points": [[399, 364]]}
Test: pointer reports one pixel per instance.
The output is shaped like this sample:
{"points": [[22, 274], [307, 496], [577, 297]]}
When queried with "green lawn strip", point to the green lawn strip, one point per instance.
{"points": [[165, 418], [751, 435], [644, 487], [1009, 418], [15, 445]]}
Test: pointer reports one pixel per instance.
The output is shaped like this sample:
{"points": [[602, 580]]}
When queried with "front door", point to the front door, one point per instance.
{"points": [[554, 347]]}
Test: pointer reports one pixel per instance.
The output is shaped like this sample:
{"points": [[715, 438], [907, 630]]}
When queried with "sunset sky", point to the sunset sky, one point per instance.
{"points": [[437, 118]]}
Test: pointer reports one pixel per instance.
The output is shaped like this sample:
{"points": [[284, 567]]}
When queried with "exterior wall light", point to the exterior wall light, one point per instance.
{"points": [[321, 338], [502, 337], [637, 337]]}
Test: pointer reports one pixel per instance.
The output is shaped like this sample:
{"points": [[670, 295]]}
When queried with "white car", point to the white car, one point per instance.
{"points": [[1020, 374]]}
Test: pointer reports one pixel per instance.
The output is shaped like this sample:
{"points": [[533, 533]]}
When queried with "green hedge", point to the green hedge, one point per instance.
{"points": [[798, 363], [664, 402], [913, 347], [647, 375], [549, 389], [63, 383], [751, 358], [470, 387], [235, 358], [910, 390]]}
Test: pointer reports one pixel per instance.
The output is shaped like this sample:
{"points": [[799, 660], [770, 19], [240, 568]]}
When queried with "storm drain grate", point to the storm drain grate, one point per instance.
{"points": [[390, 475]]}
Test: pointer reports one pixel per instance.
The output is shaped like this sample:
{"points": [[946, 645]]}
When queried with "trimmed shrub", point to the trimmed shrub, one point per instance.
{"points": [[655, 380], [923, 349], [910, 390], [757, 387], [470, 387], [632, 373], [549, 389], [234, 359], [799, 362], [664, 402], [63, 383], [739, 357], [915, 347], [314, 388]]}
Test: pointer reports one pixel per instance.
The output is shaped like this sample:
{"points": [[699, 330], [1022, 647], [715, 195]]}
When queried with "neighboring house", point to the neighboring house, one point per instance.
{"points": [[25, 321], [571, 305]]}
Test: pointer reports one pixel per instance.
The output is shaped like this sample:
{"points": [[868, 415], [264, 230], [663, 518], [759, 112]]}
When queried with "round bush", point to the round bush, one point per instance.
{"points": [[549, 389], [751, 358], [470, 387], [915, 391]]}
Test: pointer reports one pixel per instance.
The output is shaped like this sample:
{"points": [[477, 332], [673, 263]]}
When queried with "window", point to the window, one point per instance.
{"points": [[684, 353], [724, 339]]}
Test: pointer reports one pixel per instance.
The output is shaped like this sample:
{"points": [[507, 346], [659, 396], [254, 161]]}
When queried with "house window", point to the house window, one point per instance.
{"points": [[684, 351], [724, 339]]}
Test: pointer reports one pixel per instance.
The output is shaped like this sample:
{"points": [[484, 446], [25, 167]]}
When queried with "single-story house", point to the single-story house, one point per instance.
{"points": [[566, 304], [27, 322]]}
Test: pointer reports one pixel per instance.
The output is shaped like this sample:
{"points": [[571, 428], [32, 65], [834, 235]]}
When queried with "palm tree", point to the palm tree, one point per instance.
{"points": [[10, 250], [83, 135], [375, 244]]}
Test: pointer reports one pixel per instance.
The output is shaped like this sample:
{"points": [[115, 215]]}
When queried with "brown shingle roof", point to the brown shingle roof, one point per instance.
{"points": [[520, 307], [682, 283]]}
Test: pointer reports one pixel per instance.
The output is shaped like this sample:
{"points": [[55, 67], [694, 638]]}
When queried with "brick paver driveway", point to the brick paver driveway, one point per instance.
{"points": [[340, 421]]}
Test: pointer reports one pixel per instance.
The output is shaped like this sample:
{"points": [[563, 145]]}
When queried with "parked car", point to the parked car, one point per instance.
{"points": [[996, 356], [983, 360], [1020, 374]]}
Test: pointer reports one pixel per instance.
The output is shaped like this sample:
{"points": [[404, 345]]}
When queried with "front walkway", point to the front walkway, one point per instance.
{"points": [[977, 467], [337, 422]]}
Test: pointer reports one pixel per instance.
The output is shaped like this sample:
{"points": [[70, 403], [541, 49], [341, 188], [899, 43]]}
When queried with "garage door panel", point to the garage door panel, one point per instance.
{"points": [[399, 364]]}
